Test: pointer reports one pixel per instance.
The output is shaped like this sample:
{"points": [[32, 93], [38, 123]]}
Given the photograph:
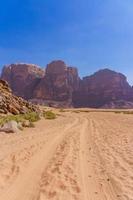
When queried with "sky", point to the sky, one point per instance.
{"points": [[88, 34]]}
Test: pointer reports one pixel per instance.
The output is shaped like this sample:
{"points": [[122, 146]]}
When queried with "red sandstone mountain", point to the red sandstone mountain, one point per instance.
{"points": [[22, 78], [60, 85], [101, 88]]}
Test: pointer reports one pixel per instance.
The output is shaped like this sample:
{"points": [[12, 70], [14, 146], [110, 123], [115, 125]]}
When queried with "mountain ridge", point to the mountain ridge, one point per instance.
{"points": [[60, 85]]}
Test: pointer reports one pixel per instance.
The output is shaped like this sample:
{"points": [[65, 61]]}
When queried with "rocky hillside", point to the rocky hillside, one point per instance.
{"points": [[10, 103], [59, 85]]}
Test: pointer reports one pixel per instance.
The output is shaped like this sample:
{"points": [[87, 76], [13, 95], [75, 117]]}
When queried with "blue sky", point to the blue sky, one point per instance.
{"points": [[88, 34]]}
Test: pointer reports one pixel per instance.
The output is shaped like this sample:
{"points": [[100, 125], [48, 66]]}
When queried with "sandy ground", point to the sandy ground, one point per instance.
{"points": [[78, 156]]}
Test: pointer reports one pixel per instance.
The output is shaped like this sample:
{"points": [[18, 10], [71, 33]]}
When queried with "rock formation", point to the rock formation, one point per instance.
{"points": [[101, 88], [13, 104], [22, 78], [61, 86], [58, 84]]}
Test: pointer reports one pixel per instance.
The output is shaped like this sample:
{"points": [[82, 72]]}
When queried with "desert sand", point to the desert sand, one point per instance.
{"points": [[78, 156]]}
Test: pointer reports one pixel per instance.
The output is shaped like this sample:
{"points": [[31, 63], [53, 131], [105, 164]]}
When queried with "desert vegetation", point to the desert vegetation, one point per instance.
{"points": [[13, 123], [31, 117], [49, 115]]}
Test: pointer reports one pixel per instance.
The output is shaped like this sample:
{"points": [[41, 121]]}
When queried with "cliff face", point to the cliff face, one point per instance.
{"points": [[58, 83], [101, 88], [22, 78], [61, 86]]}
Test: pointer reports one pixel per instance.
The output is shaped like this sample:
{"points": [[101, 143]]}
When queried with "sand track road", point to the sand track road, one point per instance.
{"points": [[78, 156]]}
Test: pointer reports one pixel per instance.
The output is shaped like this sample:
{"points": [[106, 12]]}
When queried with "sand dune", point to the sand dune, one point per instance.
{"points": [[78, 156]]}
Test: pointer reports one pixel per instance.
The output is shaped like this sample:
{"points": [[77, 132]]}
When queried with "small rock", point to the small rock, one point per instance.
{"points": [[26, 123], [20, 126], [10, 127], [13, 110]]}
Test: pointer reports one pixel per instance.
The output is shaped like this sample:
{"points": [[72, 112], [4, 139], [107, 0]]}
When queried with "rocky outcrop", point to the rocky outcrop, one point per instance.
{"points": [[10, 103], [101, 88], [22, 78], [53, 87], [58, 84]]}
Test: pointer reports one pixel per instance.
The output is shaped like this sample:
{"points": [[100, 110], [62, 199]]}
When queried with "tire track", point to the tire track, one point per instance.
{"points": [[27, 182]]}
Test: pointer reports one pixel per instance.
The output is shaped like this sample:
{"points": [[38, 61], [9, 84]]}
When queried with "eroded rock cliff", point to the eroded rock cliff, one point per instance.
{"points": [[101, 88], [22, 78], [60, 86]]}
